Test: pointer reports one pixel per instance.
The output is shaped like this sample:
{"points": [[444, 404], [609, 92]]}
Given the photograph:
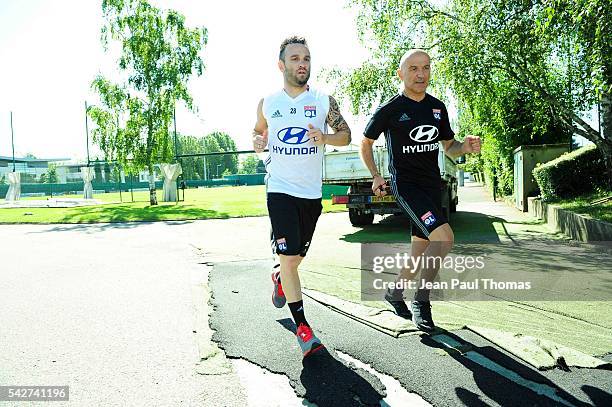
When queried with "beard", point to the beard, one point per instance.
{"points": [[295, 80]]}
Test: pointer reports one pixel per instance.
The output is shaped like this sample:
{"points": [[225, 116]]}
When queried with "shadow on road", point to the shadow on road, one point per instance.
{"points": [[467, 226], [100, 227], [328, 381], [492, 371], [598, 397]]}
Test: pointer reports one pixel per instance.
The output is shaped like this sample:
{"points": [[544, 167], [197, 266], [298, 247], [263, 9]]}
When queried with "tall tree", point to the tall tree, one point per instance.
{"points": [[250, 164], [517, 67], [158, 56], [582, 31], [193, 167], [217, 142], [214, 162], [52, 174]]}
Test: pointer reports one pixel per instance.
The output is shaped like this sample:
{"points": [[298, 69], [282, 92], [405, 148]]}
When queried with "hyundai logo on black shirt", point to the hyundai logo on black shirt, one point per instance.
{"points": [[424, 134]]}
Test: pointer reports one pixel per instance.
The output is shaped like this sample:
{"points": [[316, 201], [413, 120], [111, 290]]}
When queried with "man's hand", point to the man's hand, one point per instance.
{"points": [[260, 141], [315, 135], [379, 185], [470, 145]]}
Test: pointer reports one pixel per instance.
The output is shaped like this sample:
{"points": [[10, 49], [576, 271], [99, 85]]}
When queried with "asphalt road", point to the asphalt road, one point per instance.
{"points": [[106, 310], [248, 326], [109, 310]]}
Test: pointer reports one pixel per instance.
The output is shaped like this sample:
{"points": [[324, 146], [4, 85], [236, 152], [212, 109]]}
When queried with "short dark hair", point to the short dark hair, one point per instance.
{"points": [[291, 40]]}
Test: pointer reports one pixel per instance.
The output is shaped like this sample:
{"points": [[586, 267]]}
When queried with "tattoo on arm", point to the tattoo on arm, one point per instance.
{"points": [[334, 117]]}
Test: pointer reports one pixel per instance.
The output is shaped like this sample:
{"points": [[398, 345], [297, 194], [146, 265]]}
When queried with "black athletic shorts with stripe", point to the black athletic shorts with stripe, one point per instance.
{"points": [[422, 204], [293, 222]]}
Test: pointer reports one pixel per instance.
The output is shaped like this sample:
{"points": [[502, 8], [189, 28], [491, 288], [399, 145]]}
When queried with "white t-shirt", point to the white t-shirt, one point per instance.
{"points": [[295, 164]]}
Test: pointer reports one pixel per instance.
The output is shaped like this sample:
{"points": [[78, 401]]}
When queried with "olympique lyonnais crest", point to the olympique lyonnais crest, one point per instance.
{"points": [[437, 113], [281, 244], [310, 111], [428, 218]]}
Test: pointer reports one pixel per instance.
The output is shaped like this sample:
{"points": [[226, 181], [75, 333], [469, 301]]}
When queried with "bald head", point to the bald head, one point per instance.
{"points": [[412, 53], [414, 73]]}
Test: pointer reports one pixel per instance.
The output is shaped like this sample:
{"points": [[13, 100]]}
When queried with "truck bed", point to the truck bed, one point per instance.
{"points": [[346, 167]]}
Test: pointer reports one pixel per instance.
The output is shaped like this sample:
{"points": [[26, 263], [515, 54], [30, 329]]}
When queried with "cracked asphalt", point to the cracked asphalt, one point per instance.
{"points": [[248, 326]]}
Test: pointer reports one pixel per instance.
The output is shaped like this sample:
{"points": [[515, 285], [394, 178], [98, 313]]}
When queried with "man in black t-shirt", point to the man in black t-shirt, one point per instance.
{"points": [[414, 124]]}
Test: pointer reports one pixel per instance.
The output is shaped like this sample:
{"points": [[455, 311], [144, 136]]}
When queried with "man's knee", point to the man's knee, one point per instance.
{"points": [[419, 245], [443, 234], [291, 262]]}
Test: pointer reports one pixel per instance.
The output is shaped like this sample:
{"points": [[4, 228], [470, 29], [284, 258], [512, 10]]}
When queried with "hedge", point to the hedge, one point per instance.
{"points": [[573, 174]]}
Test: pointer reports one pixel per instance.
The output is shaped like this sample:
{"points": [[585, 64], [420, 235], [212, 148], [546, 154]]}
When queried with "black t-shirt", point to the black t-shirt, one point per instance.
{"points": [[412, 130]]}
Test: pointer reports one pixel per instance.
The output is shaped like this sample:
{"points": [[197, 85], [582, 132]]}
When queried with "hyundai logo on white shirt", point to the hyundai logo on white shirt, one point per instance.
{"points": [[293, 135]]}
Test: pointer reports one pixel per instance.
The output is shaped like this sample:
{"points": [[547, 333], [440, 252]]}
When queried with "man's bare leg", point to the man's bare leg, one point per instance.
{"points": [[417, 248], [395, 297], [440, 243], [290, 277]]}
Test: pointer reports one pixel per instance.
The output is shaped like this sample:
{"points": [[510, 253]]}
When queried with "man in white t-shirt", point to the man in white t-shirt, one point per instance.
{"points": [[292, 124]]}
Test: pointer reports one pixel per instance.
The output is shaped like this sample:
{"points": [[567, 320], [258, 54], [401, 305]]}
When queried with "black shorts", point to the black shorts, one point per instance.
{"points": [[423, 205], [293, 222]]}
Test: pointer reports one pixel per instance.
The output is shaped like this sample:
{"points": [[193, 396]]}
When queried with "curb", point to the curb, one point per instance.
{"points": [[575, 226]]}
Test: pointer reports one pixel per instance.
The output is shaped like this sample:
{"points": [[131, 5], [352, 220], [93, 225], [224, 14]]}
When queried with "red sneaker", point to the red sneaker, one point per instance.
{"points": [[307, 340], [278, 296]]}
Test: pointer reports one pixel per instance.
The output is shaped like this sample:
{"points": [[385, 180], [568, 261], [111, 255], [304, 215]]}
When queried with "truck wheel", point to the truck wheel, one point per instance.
{"points": [[359, 218]]}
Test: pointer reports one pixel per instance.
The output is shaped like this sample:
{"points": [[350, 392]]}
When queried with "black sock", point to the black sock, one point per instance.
{"points": [[277, 266], [297, 311], [422, 295], [396, 294]]}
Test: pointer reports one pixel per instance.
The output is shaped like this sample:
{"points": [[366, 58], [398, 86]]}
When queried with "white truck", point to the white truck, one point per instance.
{"points": [[346, 168]]}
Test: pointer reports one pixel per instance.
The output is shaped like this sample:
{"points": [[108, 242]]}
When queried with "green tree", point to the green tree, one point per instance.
{"points": [[226, 143], [158, 55], [218, 142], [212, 162], [582, 32], [512, 73], [52, 174], [249, 164], [193, 167]]}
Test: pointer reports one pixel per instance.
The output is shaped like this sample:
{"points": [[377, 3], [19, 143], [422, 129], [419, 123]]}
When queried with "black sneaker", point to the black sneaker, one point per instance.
{"points": [[400, 307], [421, 315]]}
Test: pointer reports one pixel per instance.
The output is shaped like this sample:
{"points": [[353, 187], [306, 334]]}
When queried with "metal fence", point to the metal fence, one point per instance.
{"points": [[203, 170]]}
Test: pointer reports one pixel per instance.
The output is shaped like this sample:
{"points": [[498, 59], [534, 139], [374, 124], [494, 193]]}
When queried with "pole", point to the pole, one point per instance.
{"points": [[175, 150], [13, 141], [87, 132], [175, 141]]}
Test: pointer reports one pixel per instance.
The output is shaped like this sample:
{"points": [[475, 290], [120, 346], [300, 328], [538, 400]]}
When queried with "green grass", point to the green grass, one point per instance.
{"points": [[582, 205], [205, 203]]}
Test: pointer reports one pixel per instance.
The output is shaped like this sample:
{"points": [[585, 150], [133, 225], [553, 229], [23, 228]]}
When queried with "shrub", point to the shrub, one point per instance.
{"points": [[579, 172]]}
